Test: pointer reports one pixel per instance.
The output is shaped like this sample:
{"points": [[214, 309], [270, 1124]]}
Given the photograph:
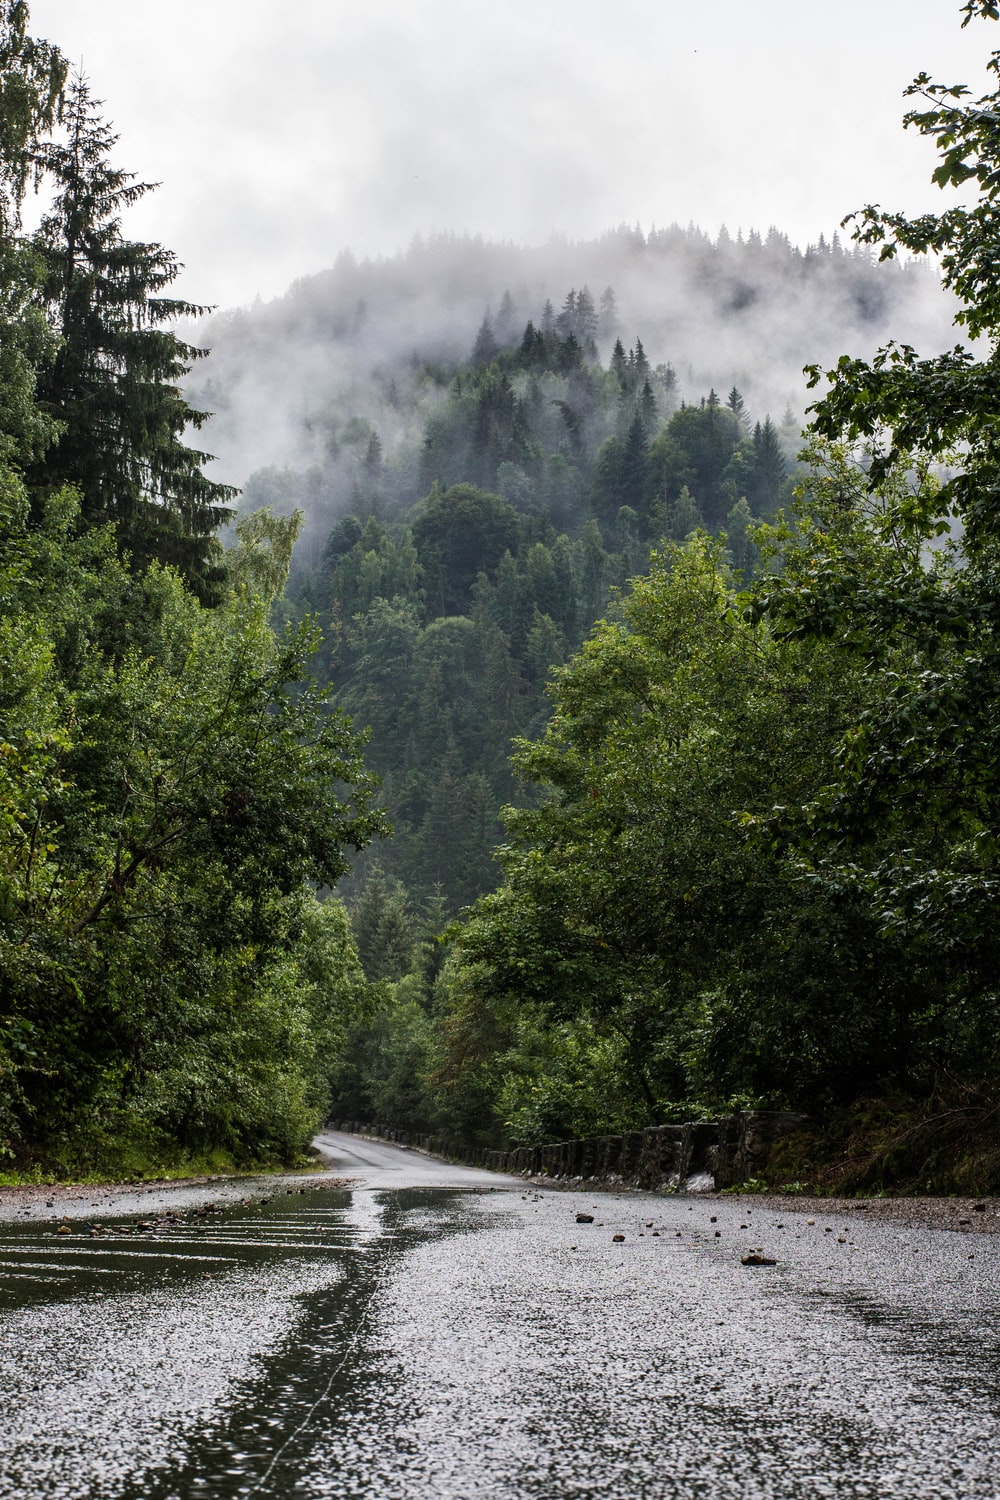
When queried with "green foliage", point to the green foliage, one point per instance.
{"points": [[929, 407], [460, 533], [32, 78], [764, 858], [383, 927], [167, 793], [907, 820], [384, 1072], [565, 1082], [445, 620], [751, 851], [631, 895]]}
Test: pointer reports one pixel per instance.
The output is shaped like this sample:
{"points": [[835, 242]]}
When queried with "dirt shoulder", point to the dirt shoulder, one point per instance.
{"points": [[965, 1215], [968, 1215], [108, 1200]]}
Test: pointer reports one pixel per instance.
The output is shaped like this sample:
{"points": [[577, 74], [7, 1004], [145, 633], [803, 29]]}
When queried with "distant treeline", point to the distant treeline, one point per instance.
{"points": [[303, 381]]}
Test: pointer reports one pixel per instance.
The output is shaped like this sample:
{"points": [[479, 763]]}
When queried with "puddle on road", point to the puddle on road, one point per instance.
{"points": [[179, 1362], [38, 1263]]}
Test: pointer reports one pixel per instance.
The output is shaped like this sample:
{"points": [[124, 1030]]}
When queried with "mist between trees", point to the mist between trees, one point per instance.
{"points": [[545, 521]]}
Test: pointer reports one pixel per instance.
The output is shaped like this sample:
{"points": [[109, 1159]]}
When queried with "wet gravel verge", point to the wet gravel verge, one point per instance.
{"points": [[967, 1215]]}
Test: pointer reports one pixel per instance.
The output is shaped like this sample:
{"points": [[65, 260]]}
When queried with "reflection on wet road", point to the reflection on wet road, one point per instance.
{"points": [[445, 1342]]}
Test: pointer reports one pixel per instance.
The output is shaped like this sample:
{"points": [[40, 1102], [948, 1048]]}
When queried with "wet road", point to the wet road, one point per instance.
{"points": [[440, 1334]]}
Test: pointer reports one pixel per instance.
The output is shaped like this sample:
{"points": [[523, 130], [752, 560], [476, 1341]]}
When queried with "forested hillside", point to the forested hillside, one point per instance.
{"points": [[477, 485], [302, 382], [485, 441], [547, 478]]}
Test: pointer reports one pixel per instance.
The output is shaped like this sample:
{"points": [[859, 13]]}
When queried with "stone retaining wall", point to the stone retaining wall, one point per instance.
{"points": [[703, 1154]]}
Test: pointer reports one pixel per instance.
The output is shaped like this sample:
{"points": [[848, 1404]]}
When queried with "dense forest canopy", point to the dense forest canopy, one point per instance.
{"points": [[545, 521]]}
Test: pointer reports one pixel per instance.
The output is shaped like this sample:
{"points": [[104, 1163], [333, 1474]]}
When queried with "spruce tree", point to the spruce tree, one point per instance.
{"points": [[682, 516], [566, 324], [737, 406], [586, 323], [32, 75], [506, 322], [114, 385], [607, 324], [634, 465], [486, 348], [769, 468], [641, 362], [647, 408]]}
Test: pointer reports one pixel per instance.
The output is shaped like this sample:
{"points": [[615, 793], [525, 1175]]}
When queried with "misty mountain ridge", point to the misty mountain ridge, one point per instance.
{"points": [[487, 442], [370, 346]]}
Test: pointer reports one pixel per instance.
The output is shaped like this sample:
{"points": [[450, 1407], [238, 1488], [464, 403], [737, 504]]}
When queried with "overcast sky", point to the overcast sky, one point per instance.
{"points": [[282, 134]]}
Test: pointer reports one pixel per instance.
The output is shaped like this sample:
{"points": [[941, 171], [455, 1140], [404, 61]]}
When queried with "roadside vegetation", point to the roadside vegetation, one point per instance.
{"points": [[174, 789]]}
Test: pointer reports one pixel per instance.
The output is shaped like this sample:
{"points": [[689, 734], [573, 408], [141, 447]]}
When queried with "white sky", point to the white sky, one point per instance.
{"points": [[285, 133]]}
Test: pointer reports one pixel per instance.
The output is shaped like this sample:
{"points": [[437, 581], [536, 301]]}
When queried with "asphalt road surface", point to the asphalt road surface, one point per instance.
{"points": [[436, 1333]]}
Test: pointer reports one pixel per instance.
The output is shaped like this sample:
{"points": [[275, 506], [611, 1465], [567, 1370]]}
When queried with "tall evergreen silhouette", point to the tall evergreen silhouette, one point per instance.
{"points": [[114, 385]]}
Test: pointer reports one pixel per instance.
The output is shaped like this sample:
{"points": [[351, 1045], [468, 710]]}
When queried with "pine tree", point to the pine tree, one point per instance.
{"points": [[486, 348], [742, 549], [738, 408], [32, 75], [592, 565], [506, 322], [641, 362], [647, 409], [682, 516], [533, 354], [634, 464], [607, 322], [769, 468], [115, 382], [585, 328], [566, 321], [666, 379], [372, 462], [383, 926]]}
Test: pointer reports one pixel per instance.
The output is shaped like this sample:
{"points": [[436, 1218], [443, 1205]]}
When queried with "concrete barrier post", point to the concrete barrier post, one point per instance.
{"points": [[629, 1155]]}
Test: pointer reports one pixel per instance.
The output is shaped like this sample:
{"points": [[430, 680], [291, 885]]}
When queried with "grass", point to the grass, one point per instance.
{"points": [[136, 1161]]}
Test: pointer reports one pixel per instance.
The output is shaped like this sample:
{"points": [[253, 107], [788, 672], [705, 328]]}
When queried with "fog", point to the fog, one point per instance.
{"points": [[302, 380], [365, 182], [283, 136]]}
